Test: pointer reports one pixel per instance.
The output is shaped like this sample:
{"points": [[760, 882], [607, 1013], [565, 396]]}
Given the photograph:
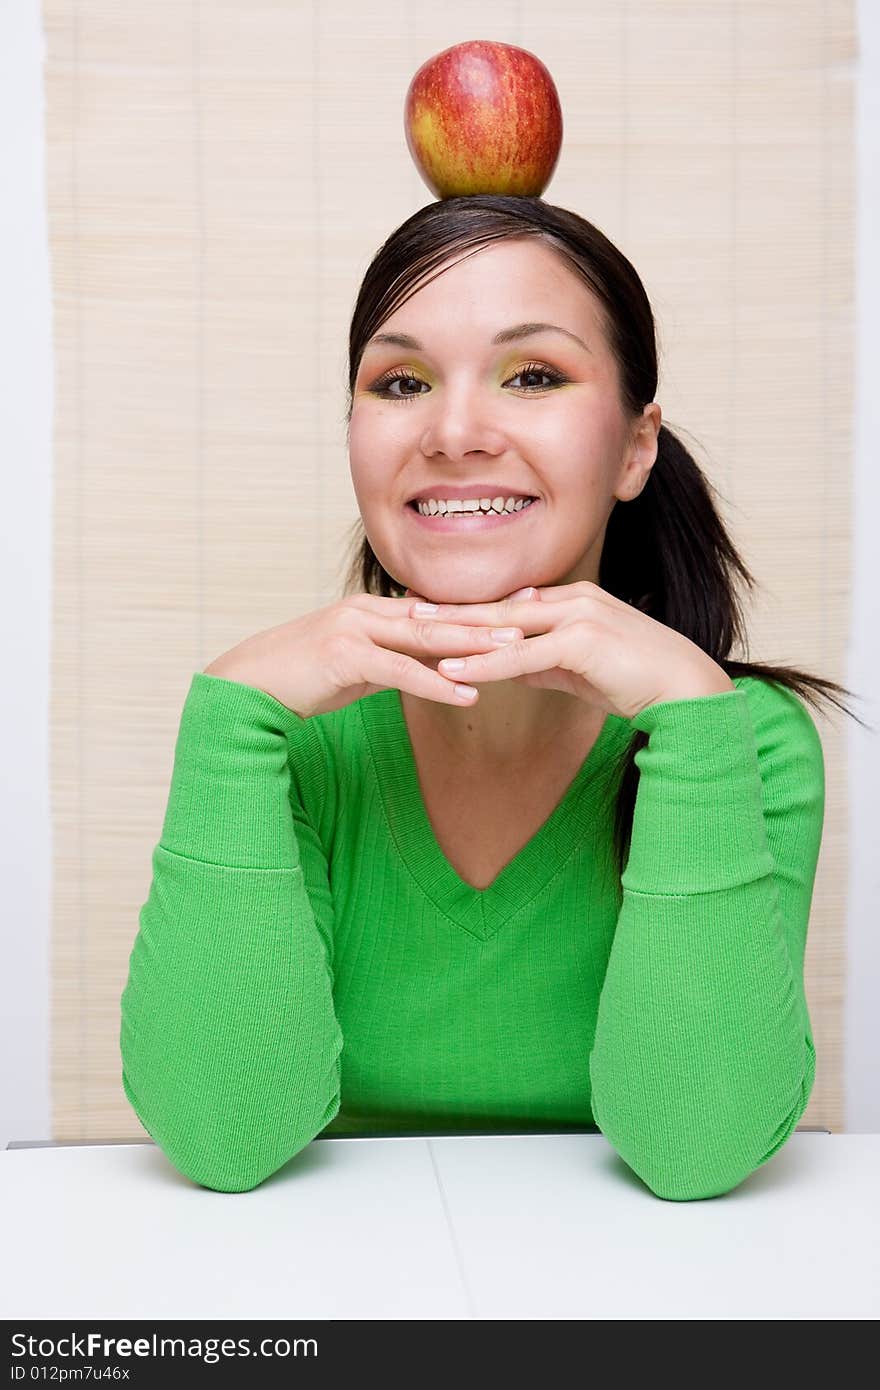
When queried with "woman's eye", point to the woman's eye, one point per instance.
{"points": [[383, 387], [552, 377]]}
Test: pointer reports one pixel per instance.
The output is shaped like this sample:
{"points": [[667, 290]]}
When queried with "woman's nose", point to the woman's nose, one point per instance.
{"points": [[461, 426]]}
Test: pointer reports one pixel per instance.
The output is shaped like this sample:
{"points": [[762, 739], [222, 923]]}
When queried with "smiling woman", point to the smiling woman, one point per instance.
{"points": [[381, 904]]}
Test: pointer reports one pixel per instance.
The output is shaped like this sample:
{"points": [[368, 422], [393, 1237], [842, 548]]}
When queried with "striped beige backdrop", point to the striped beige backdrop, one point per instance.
{"points": [[219, 175]]}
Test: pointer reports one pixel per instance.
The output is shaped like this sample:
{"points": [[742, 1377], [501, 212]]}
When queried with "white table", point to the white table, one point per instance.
{"points": [[487, 1227]]}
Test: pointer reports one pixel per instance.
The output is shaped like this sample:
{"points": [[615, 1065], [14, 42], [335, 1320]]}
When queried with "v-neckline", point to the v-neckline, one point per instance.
{"points": [[480, 911]]}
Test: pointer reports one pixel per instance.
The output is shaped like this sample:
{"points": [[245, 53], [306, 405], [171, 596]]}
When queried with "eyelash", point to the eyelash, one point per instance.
{"points": [[381, 386]]}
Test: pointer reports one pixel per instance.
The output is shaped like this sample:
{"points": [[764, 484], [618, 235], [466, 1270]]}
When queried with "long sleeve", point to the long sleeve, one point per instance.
{"points": [[703, 1059], [229, 1040]]}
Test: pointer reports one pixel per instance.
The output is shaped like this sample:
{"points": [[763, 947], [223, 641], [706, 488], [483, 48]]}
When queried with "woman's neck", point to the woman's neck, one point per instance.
{"points": [[508, 724]]}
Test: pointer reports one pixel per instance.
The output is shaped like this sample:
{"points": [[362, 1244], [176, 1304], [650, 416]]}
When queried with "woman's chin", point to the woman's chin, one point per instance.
{"points": [[473, 596]]}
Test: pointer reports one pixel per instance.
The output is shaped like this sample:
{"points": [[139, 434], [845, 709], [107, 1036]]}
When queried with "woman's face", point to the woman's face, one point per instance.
{"points": [[489, 416]]}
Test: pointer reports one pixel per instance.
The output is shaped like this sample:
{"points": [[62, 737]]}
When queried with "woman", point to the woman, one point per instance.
{"points": [[574, 892]]}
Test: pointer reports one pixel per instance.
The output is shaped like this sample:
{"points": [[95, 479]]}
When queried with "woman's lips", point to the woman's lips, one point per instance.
{"points": [[471, 521]]}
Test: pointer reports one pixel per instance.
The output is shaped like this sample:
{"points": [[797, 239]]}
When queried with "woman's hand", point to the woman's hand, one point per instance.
{"points": [[580, 639], [347, 650]]}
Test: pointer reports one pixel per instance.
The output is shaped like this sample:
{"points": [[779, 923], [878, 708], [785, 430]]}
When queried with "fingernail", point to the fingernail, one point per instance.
{"points": [[528, 592], [504, 634], [424, 608], [452, 663], [465, 691]]}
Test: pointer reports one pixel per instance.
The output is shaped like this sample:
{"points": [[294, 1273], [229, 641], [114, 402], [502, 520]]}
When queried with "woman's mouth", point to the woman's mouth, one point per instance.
{"points": [[461, 523]]}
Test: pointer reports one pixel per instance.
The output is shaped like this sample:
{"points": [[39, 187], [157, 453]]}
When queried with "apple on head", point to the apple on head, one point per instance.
{"points": [[484, 117]]}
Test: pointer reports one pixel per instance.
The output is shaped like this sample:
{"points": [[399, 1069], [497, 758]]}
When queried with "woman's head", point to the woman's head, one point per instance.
{"points": [[566, 418]]}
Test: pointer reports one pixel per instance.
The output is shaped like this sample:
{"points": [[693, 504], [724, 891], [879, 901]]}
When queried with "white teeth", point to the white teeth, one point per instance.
{"points": [[452, 507]]}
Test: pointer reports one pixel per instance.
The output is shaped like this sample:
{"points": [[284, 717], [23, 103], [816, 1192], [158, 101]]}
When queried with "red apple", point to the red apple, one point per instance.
{"points": [[484, 117]]}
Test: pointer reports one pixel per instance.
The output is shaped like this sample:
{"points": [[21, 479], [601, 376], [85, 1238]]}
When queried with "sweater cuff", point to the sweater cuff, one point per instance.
{"points": [[698, 823], [228, 801]]}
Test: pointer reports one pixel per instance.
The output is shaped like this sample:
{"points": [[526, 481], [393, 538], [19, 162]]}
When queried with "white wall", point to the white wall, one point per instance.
{"points": [[26, 406], [25, 578], [862, 1015]]}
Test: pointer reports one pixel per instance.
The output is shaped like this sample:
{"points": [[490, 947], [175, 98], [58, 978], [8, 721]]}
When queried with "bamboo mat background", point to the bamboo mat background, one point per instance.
{"points": [[219, 176]]}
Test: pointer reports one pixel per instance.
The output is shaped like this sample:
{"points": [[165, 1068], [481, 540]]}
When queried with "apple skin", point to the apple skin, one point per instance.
{"points": [[484, 117]]}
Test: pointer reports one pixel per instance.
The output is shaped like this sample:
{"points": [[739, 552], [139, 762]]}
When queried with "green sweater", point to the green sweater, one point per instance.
{"points": [[309, 962]]}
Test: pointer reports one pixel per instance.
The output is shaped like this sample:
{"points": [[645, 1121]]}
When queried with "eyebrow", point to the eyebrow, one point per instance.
{"points": [[507, 335]]}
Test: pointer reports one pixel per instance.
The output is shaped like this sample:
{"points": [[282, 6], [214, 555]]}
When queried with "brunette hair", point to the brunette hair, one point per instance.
{"points": [[667, 550]]}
